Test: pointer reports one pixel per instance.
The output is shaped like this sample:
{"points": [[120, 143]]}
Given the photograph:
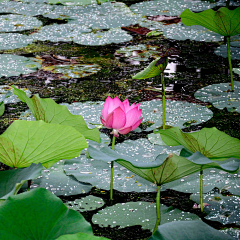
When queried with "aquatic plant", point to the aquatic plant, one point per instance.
{"points": [[39, 214], [27, 142], [165, 168], [122, 118], [188, 230], [47, 110], [207, 146], [223, 21], [2, 108], [155, 68]]}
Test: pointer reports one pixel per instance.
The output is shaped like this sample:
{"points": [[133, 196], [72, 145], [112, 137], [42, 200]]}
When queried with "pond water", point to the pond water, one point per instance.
{"points": [[78, 53]]}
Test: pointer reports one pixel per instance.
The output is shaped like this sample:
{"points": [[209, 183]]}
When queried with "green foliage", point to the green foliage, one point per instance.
{"points": [[2, 108], [188, 230], [12, 180], [49, 111], [165, 168], [155, 68], [26, 142], [38, 214], [210, 142], [223, 21], [80, 236]]}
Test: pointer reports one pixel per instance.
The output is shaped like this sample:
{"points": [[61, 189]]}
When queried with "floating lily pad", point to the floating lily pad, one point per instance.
{"points": [[62, 32], [211, 178], [13, 23], [222, 51], [139, 52], [74, 71], [222, 3], [88, 203], [65, 12], [177, 113], [224, 209], [234, 232], [107, 15], [6, 94], [114, 35], [237, 70], [220, 96], [28, 9], [74, 2], [198, 33], [138, 213], [142, 150], [235, 41], [14, 65], [98, 172], [168, 7], [56, 181], [14, 40], [33, 1]]}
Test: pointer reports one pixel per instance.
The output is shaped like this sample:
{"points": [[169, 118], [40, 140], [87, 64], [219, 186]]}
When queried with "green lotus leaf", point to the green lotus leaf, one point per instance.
{"points": [[223, 21], [188, 230], [155, 68], [12, 180], [27, 142], [210, 142], [80, 236], [39, 214], [166, 168], [49, 111], [2, 108]]}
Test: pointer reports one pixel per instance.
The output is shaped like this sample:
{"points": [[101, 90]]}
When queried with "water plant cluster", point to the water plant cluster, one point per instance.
{"points": [[52, 137]]}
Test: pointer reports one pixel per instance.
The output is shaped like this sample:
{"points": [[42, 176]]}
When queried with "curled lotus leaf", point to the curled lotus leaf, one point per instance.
{"points": [[155, 68], [223, 21], [49, 111], [210, 142], [166, 168]]}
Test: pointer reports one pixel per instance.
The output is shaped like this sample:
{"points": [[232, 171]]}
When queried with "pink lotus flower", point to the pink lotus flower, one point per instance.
{"points": [[120, 116]]}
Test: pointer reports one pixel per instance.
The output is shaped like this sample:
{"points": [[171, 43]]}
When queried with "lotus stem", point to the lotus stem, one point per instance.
{"points": [[158, 209], [230, 61], [163, 100], [112, 165], [227, 3], [201, 189]]}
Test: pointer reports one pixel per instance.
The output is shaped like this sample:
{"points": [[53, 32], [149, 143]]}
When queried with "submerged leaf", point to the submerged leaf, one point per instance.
{"points": [[49, 111], [223, 21], [26, 142], [39, 214]]}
